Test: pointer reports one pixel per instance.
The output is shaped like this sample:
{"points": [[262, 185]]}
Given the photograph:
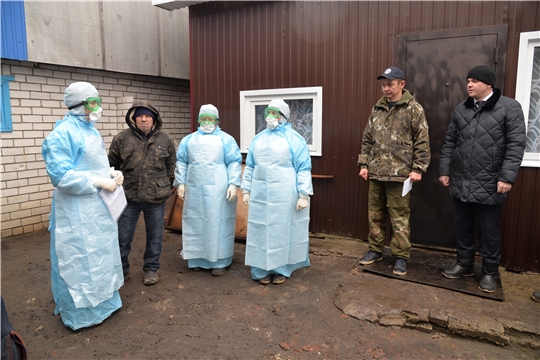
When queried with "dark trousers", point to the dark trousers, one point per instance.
{"points": [[489, 219], [153, 221]]}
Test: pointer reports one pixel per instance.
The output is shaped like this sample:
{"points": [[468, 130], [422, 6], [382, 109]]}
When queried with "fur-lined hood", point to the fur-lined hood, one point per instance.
{"points": [[130, 120]]}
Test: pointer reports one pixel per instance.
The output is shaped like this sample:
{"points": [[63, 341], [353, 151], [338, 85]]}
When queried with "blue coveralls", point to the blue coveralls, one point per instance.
{"points": [[86, 267], [278, 170], [207, 164]]}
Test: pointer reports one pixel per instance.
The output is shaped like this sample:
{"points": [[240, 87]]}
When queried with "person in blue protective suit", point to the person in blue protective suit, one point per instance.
{"points": [[208, 169], [86, 267], [276, 185]]}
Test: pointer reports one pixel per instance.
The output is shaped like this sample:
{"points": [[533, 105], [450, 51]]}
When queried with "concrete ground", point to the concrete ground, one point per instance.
{"points": [[331, 310], [391, 302]]}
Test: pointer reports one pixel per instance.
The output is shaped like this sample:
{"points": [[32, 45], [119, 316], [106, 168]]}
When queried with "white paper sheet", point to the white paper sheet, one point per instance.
{"points": [[115, 201], [407, 186]]}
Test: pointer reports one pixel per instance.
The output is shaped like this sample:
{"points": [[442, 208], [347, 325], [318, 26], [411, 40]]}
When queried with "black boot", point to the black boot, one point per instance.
{"points": [[488, 282], [464, 266]]}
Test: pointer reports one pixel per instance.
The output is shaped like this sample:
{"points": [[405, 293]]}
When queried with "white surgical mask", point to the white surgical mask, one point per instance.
{"points": [[271, 122], [208, 128], [95, 116]]}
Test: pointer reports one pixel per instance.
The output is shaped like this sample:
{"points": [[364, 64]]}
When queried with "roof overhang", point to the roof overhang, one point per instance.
{"points": [[174, 4]]}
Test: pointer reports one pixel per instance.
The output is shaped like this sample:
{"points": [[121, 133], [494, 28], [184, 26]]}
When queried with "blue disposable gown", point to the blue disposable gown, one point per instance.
{"points": [[85, 257], [278, 170], [207, 164]]}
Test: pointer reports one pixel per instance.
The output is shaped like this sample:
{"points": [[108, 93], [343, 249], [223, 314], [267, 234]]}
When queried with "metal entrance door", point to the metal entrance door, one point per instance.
{"points": [[435, 65]]}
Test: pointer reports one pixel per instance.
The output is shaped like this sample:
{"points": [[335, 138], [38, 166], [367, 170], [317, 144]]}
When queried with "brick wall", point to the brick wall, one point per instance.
{"points": [[37, 102]]}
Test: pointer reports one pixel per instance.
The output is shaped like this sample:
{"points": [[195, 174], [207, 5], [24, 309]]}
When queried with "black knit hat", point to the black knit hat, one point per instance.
{"points": [[142, 110], [483, 73]]}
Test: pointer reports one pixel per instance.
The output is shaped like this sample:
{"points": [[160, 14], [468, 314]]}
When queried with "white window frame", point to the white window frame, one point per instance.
{"points": [[249, 99], [527, 42]]}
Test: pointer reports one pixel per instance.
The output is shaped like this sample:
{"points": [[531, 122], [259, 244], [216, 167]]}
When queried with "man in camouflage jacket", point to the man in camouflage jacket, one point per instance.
{"points": [[395, 147], [147, 157]]}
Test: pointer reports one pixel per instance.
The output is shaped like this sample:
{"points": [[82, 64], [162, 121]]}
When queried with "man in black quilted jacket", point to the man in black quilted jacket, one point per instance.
{"points": [[480, 160]]}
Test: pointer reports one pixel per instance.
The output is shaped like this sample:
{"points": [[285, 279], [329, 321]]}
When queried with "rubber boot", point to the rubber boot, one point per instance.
{"points": [[488, 282], [464, 266]]}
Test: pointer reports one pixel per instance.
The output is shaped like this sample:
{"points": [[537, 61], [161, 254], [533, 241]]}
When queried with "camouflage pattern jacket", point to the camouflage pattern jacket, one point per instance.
{"points": [[395, 141], [146, 162]]}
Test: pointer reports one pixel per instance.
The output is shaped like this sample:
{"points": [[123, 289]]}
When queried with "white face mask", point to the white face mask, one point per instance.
{"points": [[95, 116], [208, 128], [271, 122]]}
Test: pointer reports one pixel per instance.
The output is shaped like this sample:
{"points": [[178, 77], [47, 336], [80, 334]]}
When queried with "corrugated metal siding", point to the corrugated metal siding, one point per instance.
{"points": [[343, 46], [13, 30], [521, 223]]}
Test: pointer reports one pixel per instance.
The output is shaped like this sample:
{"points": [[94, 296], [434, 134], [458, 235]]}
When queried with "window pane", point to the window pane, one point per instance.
{"points": [[533, 127], [301, 118]]}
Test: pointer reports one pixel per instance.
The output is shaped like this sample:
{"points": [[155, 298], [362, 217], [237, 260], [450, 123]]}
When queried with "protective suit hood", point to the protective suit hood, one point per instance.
{"points": [[208, 128], [77, 93], [209, 109], [282, 106], [130, 119]]}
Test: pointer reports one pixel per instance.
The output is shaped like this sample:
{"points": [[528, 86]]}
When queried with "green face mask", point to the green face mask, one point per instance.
{"points": [[271, 112], [206, 119], [92, 104]]}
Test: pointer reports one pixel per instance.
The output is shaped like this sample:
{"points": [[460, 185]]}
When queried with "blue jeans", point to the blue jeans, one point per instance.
{"points": [[153, 220]]}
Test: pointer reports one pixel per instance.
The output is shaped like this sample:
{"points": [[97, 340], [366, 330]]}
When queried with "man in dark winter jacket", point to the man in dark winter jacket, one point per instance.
{"points": [[146, 156], [479, 161]]}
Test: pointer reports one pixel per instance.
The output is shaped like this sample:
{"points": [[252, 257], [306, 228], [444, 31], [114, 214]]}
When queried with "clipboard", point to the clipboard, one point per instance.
{"points": [[116, 201]]}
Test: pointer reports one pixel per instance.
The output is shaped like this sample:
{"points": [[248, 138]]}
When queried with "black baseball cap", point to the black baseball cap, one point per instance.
{"points": [[392, 73]]}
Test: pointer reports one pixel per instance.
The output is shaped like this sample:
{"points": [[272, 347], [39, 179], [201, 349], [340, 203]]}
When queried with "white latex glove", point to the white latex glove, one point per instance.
{"points": [[302, 204], [231, 193], [246, 199], [105, 184], [118, 177], [181, 191]]}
